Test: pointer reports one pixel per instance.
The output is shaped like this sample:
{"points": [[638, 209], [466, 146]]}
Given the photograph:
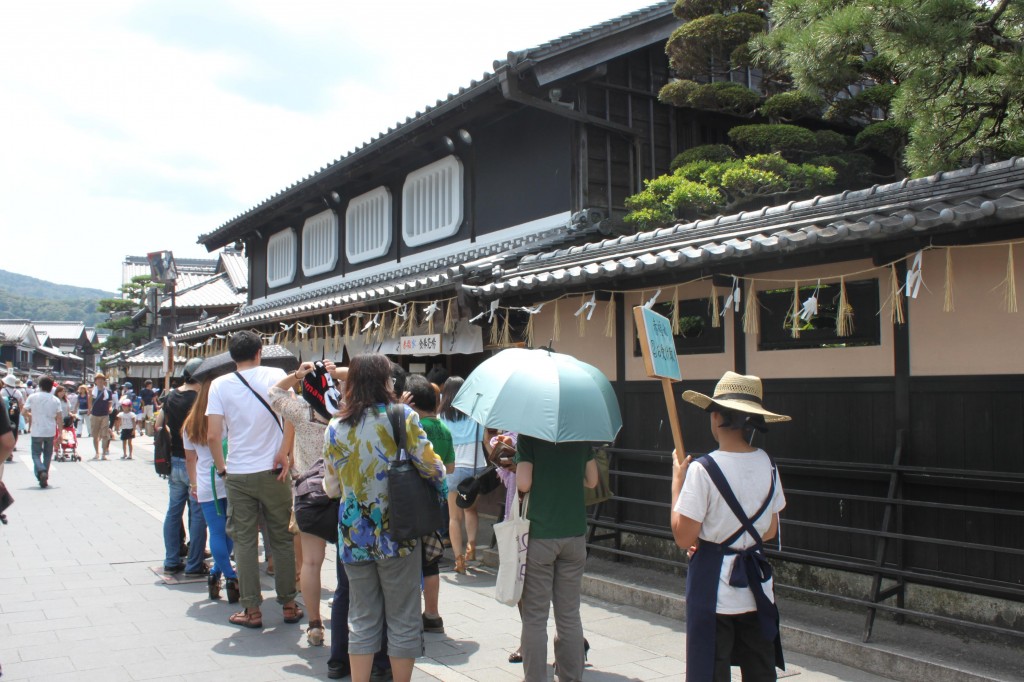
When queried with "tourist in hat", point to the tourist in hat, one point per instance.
{"points": [[101, 405], [726, 506], [15, 400]]}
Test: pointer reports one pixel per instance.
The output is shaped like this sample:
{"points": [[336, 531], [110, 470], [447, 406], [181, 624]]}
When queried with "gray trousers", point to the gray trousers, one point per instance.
{"points": [[248, 494], [385, 587], [554, 575]]}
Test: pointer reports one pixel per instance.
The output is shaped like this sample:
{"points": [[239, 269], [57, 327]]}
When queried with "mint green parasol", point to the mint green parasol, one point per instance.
{"points": [[540, 393]]}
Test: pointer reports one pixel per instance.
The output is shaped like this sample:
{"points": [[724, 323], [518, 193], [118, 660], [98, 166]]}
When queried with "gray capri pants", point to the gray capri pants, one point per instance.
{"points": [[390, 586]]}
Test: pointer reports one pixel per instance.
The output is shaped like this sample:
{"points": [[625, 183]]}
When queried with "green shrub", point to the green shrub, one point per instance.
{"points": [[830, 142], [705, 152], [773, 137], [884, 137], [793, 105], [722, 96], [750, 181], [694, 195]]}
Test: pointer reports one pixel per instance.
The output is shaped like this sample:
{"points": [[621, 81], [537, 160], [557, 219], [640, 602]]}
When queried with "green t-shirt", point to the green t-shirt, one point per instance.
{"points": [[440, 437], [556, 496]]}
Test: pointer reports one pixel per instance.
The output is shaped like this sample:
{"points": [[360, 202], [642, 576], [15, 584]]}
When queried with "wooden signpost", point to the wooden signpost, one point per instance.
{"points": [[660, 361]]}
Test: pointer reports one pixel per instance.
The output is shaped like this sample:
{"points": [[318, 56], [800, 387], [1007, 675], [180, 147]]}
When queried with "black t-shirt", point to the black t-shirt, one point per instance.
{"points": [[146, 396], [176, 408]]}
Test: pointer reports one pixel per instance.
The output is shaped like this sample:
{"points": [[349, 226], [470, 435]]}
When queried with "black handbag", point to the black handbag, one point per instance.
{"points": [[414, 509], [481, 484], [315, 512]]}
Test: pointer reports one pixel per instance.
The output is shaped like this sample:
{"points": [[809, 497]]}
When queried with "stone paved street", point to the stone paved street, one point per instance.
{"points": [[79, 601]]}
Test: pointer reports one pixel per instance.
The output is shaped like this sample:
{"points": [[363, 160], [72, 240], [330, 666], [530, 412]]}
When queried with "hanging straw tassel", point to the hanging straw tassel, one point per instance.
{"points": [[410, 321], [449, 316], [675, 310], [1010, 295], [556, 330], [609, 318], [794, 312], [751, 325], [716, 314], [506, 330], [337, 334], [528, 336], [396, 325], [895, 299], [430, 323], [947, 303], [844, 313], [495, 334]]}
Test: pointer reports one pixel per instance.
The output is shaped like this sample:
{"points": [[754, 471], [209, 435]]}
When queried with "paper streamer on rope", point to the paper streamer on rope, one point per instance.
{"points": [[716, 315], [1011, 283], [428, 316], [735, 296], [794, 312], [751, 325], [895, 296], [652, 300], [844, 312], [809, 310], [587, 306], [947, 299], [529, 332], [914, 276], [609, 318]]}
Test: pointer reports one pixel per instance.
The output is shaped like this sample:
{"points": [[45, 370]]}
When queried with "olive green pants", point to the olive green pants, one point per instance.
{"points": [[247, 495]]}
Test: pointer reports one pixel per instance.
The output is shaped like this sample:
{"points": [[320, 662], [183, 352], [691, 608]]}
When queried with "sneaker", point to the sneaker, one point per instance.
{"points": [[433, 623], [43, 476], [338, 669], [171, 570]]}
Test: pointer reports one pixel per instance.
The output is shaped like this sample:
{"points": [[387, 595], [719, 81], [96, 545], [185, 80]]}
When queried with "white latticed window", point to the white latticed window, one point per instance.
{"points": [[281, 258], [320, 243], [432, 202], [368, 225]]}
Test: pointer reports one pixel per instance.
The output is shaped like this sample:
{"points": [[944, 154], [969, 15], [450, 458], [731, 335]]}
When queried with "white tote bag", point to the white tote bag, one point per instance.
{"points": [[513, 537]]}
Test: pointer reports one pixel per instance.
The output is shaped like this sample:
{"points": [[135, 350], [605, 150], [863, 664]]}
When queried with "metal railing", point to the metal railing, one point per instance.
{"points": [[622, 514]]}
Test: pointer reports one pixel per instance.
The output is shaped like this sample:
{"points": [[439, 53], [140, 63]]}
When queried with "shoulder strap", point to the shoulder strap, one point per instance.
{"points": [[262, 400], [747, 523], [395, 414]]}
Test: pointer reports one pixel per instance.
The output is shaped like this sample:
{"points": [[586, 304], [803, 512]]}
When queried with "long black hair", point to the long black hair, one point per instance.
{"points": [[366, 386], [448, 392]]}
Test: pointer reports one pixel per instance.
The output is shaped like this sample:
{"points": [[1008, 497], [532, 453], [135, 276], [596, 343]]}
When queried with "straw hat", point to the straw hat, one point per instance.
{"points": [[738, 392]]}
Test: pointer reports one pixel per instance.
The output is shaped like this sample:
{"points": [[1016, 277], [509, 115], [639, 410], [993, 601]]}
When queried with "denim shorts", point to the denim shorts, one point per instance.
{"points": [[461, 474]]}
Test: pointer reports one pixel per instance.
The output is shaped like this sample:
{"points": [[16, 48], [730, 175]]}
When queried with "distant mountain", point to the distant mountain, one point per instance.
{"points": [[36, 299]]}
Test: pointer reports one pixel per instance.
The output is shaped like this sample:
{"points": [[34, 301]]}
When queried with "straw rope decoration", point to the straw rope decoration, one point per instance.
{"points": [[530, 331], [337, 335], [716, 314], [410, 323], [581, 318], [430, 323], [506, 330], [609, 318], [844, 312], [675, 310], [751, 325], [556, 330], [396, 325], [794, 312], [894, 296], [449, 317], [1011, 285], [495, 334], [947, 302]]}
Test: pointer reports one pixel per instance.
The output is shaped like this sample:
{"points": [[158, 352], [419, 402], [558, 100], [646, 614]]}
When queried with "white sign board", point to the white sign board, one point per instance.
{"points": [[423, 344]]}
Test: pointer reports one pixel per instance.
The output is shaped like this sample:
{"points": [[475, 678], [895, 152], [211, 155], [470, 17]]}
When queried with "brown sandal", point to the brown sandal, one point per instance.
{"points": [[247, 618], [292, 613]]}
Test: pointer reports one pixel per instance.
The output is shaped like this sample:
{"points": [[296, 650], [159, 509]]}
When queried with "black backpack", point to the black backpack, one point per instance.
{"points": [[13, 408], [162, 448]]}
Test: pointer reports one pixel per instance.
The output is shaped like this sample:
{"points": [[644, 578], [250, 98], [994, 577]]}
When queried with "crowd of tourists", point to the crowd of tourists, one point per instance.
{"points": [[305, 459]]}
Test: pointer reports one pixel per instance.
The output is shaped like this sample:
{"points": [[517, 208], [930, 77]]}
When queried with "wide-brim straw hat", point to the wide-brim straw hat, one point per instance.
{"points": [[739, 392], [11, 381]]}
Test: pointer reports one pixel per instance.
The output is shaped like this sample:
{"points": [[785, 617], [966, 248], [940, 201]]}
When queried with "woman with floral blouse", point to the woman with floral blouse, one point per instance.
{"points": [[383, 573]]}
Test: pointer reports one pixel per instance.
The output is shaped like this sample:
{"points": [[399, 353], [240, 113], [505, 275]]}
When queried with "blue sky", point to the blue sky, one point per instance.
{"points": [[130, 126]]}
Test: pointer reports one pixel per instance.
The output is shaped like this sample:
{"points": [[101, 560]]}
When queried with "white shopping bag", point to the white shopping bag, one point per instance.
{"points": [[513, 537]]}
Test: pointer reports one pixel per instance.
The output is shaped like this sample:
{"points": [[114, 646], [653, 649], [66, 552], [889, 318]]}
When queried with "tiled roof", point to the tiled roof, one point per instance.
{"points": [[402, 282], [151, 353], [211, 292], [14, 329], [237, 268], [955, 200], [60, 331], [487, 82]]}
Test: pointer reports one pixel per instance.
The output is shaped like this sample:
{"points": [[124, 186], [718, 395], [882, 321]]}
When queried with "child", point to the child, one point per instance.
{"points": [[730, 501], [421, 396], [126, 423]]}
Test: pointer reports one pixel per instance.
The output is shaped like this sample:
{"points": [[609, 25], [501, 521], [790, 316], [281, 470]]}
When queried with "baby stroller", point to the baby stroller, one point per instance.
{"points": [[68, 439]]}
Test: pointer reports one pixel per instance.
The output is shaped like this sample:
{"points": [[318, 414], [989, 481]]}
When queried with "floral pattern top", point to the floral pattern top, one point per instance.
{"points": [[358, 458], [309, 432]]}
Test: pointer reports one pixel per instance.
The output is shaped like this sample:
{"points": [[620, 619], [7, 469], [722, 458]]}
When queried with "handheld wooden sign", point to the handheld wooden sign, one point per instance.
{"points": [[658, 348]]}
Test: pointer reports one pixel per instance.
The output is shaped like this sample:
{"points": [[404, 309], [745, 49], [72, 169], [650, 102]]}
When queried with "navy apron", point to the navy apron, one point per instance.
{"points": [[751, 569]]}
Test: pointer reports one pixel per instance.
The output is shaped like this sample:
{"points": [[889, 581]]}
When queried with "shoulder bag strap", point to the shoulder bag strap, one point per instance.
{"points": [[261, 399], [395, 414]]}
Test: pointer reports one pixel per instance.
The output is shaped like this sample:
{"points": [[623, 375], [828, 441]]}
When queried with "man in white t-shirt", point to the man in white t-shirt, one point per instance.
{"points": [[726, 505], [47, 419], [256, 475]]}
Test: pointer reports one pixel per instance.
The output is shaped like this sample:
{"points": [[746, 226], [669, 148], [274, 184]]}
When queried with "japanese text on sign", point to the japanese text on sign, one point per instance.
{"points": [[424, 344], [657, 344]]}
